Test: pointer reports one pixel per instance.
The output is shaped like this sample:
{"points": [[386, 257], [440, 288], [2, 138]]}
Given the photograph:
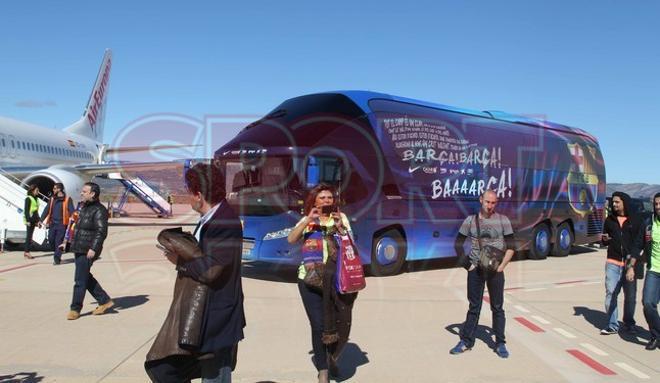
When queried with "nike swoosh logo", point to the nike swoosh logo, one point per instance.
{"points": [[412, 170]]}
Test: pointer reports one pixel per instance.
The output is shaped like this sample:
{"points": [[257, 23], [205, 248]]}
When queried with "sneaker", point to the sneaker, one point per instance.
{"points": [[101, 309], [73, 315], [501, 351], [608, 331], [460, 348], [652, 344]]}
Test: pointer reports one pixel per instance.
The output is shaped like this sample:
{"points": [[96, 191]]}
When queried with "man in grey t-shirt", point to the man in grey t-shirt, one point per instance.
{"points": [[495, 230]]}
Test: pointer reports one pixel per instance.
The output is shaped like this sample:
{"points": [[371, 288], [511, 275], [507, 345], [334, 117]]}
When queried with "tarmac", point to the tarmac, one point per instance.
{"points": [[403, 326]]}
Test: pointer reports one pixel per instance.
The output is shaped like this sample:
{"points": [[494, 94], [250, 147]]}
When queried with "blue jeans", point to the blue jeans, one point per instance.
{"points": [[650, 297], [85, 281], [615, 280], [475, 294], [56, 233]]}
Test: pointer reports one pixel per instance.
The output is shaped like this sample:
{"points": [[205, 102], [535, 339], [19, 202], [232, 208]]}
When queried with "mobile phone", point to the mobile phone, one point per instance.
{"points": [[328, 209]]}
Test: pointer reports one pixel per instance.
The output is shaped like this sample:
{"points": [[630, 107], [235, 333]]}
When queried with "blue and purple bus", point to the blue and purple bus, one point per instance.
{"points": [[408, 172]]}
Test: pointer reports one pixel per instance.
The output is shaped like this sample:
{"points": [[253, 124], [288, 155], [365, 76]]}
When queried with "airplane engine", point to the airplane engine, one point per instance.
{"points": [[45, 179]]}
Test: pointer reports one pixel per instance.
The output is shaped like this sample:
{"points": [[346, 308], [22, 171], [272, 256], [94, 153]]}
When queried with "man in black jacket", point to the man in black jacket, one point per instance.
{"points": [[220, 237], [88, 237], [56, 217], [622, 235]]}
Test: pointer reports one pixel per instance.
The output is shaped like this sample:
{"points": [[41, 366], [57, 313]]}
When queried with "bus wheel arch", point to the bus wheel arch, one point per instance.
{"points": [[541, 241], [388, 251], [564, 239]]}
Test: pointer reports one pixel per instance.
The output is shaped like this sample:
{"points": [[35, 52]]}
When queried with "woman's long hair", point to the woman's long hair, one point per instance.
{"points": [[311, 197]]}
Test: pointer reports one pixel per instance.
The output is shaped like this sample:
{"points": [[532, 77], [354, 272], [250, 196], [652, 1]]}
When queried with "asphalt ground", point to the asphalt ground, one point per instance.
{"points": [[403, 326]]}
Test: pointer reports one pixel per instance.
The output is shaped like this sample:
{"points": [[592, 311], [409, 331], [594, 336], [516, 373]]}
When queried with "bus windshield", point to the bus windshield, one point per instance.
{"points": [[264, 186]]}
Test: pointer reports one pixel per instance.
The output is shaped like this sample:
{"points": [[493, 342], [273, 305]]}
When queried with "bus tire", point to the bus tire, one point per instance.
{"points": [[540, 247], [388, 253], [563, 241]]}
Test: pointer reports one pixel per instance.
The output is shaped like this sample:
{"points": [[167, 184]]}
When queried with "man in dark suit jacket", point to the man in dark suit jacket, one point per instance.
{"points": [[220, 237]]}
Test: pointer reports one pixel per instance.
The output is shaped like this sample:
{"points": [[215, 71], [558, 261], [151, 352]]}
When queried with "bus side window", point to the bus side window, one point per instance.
{"points": [[311, 173]]}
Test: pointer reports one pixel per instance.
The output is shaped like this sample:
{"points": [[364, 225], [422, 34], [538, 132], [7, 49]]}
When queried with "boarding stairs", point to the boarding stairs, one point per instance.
{"points": [[12, 202], [144, 192]]}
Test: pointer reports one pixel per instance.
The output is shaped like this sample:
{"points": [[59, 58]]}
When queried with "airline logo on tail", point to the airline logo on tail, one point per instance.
{"points": [[96, 104]]}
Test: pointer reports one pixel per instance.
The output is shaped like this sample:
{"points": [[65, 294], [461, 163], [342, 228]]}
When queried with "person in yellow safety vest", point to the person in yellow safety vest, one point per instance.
{"points": [[56, 217], [31, 217]]}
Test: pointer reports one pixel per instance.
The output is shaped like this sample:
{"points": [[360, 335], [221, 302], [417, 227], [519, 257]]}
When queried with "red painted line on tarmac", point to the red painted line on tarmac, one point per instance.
{"points": [[18, 267], [486, 299], [569, 282], [584, 358], [529, 324]]}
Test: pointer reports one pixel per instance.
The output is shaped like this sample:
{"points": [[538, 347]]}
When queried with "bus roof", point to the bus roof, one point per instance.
{"points": [[362, 98]]}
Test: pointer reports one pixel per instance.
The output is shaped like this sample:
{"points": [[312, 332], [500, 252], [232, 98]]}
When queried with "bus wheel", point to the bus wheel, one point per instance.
{"points": [[388, 253], [540, 242], [564, 240]]}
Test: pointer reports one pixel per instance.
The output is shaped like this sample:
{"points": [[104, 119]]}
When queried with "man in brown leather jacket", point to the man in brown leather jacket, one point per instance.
{"points": [[220, 238]]}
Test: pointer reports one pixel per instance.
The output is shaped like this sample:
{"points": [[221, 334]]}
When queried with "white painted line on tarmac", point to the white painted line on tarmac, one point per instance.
{"points": [[594, 349], [539, 319], [521, 309], [535, 289], [565, 286], [632, 370], [564, 333]]}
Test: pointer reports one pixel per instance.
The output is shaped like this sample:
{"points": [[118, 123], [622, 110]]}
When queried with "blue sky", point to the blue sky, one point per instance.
{"points": [[592, 65]]}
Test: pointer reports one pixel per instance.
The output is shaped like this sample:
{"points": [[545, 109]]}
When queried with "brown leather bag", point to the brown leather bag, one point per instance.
{"points": [[191, 297]]}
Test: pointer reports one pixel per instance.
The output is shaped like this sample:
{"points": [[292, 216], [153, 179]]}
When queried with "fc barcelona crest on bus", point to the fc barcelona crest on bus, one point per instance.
{"points": [[582, 181]]}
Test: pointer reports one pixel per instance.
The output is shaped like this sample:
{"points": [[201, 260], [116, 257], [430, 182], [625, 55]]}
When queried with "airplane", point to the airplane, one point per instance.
{"points": [[38, 155]]}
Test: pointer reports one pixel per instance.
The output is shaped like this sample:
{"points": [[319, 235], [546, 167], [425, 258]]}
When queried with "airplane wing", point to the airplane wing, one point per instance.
{"points": [[95, 169], [21, 172], [132, 149]]}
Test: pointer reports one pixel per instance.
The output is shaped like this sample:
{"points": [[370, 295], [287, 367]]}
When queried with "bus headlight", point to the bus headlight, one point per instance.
{"points": [[278, 234]]}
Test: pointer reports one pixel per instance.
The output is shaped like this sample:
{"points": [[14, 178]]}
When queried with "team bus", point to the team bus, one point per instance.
{"points": [[408, 172]]}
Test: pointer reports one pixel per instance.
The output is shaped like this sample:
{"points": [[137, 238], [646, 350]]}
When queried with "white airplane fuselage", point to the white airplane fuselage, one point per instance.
{"points": [[25, 144]]}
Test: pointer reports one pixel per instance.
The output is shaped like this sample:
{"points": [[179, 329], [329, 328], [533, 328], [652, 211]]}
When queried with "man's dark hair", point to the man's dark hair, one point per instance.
{"points": [[625, 198], [656, 196], [96, 189], [59, 186], [209, 180]]}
